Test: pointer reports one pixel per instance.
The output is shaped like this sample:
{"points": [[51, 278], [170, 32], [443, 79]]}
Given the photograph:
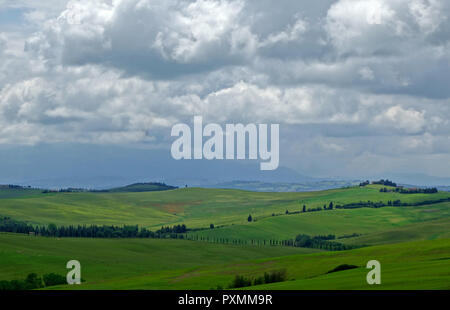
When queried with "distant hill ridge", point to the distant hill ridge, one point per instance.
{"points": [[143, 187], [135, 187]]}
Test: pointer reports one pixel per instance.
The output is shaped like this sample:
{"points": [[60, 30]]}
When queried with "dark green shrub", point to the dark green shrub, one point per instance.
{"points": [[52, 279]]}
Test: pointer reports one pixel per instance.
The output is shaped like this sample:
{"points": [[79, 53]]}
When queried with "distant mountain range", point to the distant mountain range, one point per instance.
{"points": [[102, 167], [56, 166]]}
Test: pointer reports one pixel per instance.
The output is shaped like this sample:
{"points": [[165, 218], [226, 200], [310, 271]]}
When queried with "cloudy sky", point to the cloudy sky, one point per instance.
{"points": [[359, 87]]}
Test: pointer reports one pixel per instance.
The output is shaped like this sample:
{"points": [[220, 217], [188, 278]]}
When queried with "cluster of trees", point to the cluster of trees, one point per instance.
{"points": [[93, 231], [385, 183], [364, 183], [380, 182], [385, 190], [320, 242], [325, 237], [400, 189], [33, 281], [268, 277]]}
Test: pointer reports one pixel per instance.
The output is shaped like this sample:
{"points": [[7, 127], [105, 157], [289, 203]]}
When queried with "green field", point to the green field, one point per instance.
{"points": [[195, 207], [411, 242], [108, 258], [176, 264], [364, 221]]}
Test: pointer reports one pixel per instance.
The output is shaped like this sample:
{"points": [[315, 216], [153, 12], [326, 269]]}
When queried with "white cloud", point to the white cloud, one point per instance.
{"points": [[428, 14], [354, 74], [410, 120], [291, 33], [203, 32], [365, 27], [200, 30]]}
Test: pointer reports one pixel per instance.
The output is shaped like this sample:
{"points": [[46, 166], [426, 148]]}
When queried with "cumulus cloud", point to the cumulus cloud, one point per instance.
{"points": [[290, 34], [350, 73], [370, 27], [177, 38], [411, 121], [363, 27], [154, 39]]}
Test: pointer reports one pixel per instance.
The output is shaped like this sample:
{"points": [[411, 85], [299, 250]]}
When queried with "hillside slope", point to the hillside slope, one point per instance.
{"points": [[195, 207]]}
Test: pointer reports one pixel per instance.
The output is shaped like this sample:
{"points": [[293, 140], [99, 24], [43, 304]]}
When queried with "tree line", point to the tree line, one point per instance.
{"points": [[175, 232], [92, 231], [324, 242], [390, 203], [432, 190], [132, 231]]}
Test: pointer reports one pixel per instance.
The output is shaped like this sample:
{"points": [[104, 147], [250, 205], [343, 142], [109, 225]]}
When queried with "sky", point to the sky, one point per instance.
{"points": [[360, 88]]}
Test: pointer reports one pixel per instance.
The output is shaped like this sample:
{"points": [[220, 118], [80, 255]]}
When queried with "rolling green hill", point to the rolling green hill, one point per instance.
{"points": [[383, 222], [428, 230], [411, 241], [116, 258], [7, 192], [142, 187], [195, 207], [175, 264]]}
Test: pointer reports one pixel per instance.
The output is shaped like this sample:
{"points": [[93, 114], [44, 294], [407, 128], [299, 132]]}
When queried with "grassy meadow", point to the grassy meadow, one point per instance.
{"points": [[116, 258], [411, 242], [182, 264], [195, 207], [362, 221]]}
